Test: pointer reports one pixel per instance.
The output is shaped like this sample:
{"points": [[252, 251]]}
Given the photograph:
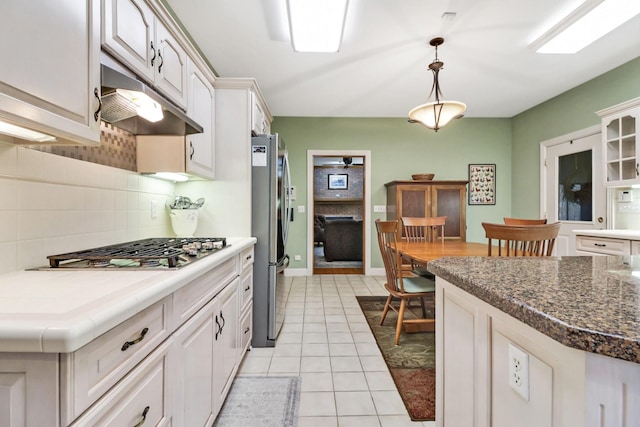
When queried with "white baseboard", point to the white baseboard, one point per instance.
{"points": [[306, 272]]}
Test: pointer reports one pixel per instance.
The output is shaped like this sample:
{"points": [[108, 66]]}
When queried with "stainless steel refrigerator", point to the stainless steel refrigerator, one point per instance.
{"points": [[271, 215]]}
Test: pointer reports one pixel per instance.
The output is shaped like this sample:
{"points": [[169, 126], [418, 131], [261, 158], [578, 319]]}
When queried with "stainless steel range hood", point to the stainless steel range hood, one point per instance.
{"points": [[119, 111]]}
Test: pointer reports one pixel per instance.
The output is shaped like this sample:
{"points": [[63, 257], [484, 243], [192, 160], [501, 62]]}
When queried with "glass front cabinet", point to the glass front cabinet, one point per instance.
{"points": [[621, 153]]}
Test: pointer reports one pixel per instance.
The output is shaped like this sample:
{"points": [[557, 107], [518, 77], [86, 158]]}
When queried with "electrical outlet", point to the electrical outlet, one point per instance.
{"points": [[379, 208], [297, 257], [519, 371], [301, 209]]}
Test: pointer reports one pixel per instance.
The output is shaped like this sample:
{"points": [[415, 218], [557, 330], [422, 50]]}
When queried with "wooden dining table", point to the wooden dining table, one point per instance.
{"points": [[421, 253]]}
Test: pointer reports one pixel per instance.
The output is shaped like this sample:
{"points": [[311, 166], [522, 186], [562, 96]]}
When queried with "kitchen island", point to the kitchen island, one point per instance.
{"points": [[537, 341], [112, 348]]}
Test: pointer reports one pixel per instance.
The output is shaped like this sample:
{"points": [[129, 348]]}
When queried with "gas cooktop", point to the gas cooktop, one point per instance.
{"points": [[161, 252]]}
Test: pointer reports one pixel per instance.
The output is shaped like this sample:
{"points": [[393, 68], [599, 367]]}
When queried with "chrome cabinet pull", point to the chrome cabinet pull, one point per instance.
{"points": [[144, 417], [153, 51], [128, 344], [96, 114]]}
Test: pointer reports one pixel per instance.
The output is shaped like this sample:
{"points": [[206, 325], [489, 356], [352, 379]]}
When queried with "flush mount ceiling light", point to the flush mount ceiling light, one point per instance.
{"points": [[145, 107], [316, 25], [586, 24], [24, 133], [437, 113]]}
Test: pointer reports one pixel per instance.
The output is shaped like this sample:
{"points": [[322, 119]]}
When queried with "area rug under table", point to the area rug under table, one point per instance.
{"points": [[261, 401], [411, 363]]}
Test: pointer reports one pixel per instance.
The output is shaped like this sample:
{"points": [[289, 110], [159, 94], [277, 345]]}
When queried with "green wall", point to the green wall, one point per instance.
{"points": [[566, 113], [399, 149]]}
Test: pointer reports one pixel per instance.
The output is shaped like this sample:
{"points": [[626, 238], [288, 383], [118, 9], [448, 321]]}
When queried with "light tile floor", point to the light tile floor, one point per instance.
{"points": [[326, 340]]}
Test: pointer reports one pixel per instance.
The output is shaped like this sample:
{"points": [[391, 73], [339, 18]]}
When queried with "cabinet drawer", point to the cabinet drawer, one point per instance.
{"points": [[603, 245], [92, 370], [192, 297], [246, 258], [246, 289], [245, 330], [141, 396], [635, 247]]}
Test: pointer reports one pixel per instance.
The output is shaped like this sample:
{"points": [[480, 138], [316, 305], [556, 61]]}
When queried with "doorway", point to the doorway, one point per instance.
{"points": [[572, 185], [338, 215]]}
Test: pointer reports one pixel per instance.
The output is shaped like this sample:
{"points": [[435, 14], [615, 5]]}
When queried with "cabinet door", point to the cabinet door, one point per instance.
{"points": [[128, 33], [201, 146], [225, 348], [450, 201], [194, 349], [170, 66], [53, 82], [257, 116], [414, 201]]}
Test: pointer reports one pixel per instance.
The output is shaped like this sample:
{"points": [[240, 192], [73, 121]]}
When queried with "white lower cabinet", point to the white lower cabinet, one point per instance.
{"points": [[172, 364], [206, 359]]}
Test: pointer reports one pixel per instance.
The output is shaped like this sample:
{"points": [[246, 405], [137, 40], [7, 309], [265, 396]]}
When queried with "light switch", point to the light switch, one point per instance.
{"points": [[301, 209]]}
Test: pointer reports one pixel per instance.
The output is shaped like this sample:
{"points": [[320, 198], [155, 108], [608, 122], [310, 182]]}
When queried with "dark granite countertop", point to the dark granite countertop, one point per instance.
{"points": [[587, 303]]}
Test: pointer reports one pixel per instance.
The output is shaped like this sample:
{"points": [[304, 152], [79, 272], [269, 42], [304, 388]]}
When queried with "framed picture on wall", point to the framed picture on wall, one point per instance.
{"points": [[482, 184], [338, 181]]}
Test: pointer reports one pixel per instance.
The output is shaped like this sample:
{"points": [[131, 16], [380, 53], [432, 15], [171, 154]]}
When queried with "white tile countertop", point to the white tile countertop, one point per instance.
{"points": [[59, 311], [612, 234]]}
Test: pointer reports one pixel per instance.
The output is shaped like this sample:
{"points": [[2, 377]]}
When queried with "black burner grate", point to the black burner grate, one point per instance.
{"points": [[145, 251]]}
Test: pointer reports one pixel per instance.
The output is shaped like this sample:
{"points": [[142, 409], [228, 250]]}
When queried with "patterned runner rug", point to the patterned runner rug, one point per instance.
{"points": [[261, 401], [411, 363]]}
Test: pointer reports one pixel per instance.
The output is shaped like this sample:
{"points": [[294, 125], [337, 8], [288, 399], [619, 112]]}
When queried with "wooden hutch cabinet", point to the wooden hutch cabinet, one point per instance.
{"points": [[430, 198]]}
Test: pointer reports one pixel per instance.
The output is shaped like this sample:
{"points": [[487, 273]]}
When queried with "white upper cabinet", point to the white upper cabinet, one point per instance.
{"points": [[50, 79], [621, 147], [134, 35], [260, 123], [201, 146]]}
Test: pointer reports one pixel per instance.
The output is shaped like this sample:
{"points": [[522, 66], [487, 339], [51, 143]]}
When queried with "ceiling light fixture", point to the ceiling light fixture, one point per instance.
{"points": [[316, 26], [586, 24], [437, 113]]}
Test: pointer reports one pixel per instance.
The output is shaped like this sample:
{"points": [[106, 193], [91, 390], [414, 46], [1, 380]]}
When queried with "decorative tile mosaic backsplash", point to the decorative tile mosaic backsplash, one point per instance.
{"points": [[117, 149]]}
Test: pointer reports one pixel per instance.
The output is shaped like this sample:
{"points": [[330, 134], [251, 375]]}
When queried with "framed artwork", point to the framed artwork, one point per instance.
{"points": [[482, 184], [338, 181]]}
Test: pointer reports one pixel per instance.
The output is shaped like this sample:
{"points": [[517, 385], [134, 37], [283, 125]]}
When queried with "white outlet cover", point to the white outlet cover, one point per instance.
{"points": [[519, 371]]}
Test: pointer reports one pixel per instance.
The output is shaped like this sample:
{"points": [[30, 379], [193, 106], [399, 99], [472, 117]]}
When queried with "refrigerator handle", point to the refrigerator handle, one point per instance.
{"points": [[286, 182]]}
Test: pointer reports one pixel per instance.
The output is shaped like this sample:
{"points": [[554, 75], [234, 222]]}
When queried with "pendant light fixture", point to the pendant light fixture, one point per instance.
{"points": [[436, 113]]}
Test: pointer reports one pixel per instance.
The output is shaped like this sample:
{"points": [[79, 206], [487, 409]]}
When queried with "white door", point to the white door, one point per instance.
{"points": [[573, 190]]}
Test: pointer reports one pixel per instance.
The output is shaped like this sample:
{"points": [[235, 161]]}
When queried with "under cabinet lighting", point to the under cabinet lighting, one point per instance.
{"points": [[24, 133], [169, 176], [586, 24], [146, 107], [316, 25]]}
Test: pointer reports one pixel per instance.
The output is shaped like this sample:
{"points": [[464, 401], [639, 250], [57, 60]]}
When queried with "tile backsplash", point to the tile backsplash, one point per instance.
{"points": [[51, 204]]}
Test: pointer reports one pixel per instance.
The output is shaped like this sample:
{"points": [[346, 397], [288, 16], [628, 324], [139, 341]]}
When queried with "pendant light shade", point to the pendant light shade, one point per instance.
{"points": [[436, 113]]}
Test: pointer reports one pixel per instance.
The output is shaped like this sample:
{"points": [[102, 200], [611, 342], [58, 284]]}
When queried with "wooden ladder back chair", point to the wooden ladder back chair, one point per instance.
{"points": [[399, 286], [523, 221], [522, 240], [423, 229]]}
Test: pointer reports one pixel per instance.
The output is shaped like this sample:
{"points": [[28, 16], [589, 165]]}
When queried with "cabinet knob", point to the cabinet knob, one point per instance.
{"points": [[600, 219]]}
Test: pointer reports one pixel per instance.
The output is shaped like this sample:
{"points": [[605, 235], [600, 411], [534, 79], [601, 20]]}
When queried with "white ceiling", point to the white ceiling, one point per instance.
{"points": [[381, 69]]}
